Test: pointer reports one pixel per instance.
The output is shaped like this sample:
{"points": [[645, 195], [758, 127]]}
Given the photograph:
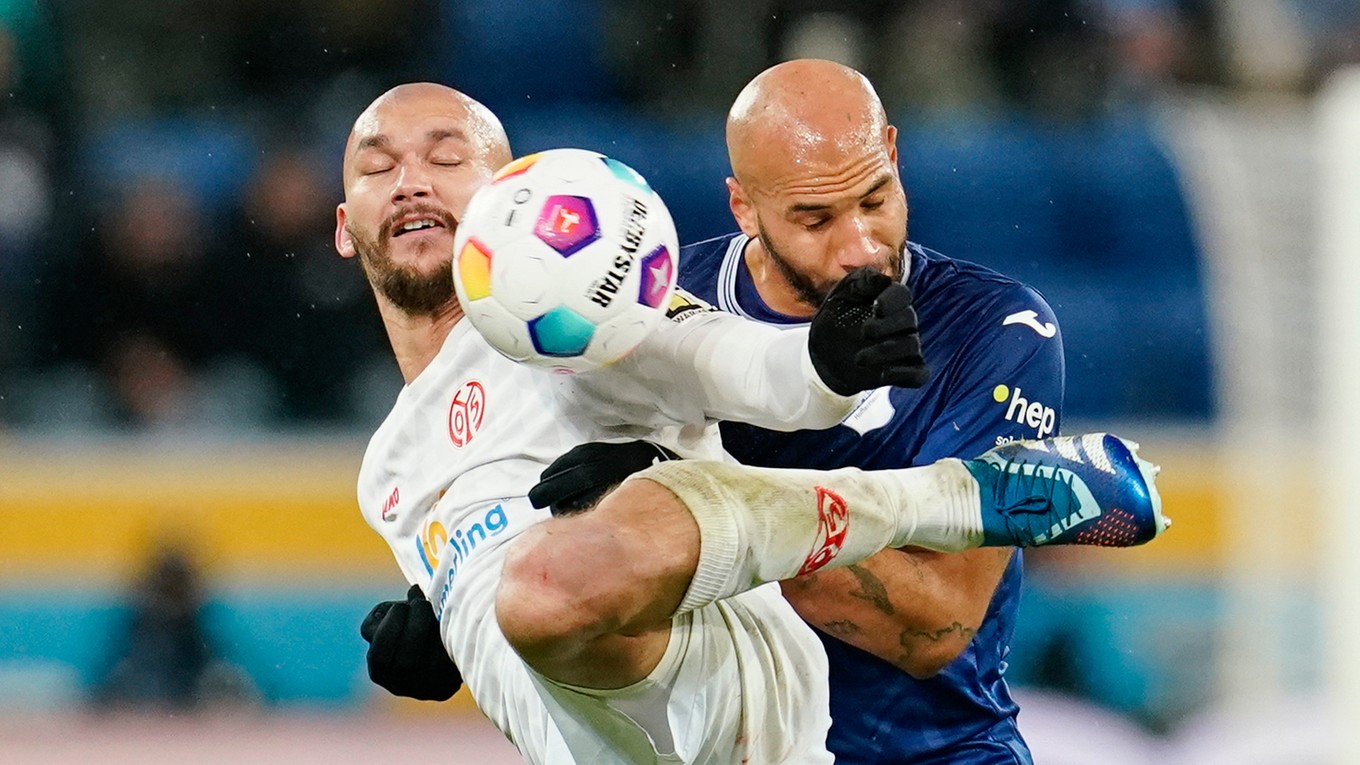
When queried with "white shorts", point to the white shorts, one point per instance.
{"points": [[742, 680]]}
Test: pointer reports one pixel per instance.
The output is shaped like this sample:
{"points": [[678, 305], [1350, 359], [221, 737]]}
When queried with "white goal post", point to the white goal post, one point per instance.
{"points": [[1273, 182], [1338, 344]]}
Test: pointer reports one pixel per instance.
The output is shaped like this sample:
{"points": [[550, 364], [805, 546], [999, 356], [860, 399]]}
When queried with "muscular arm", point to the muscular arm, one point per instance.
{"points": [[749, 372], [912, 608], [919, 610], [705, 365]]}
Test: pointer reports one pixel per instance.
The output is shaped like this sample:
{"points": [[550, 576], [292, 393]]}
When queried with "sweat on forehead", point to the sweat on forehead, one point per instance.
{"points": [[807, 110]]}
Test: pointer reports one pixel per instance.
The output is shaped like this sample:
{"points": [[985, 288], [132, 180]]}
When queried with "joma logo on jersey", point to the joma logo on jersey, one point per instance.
{"points": [[1022, 411]]}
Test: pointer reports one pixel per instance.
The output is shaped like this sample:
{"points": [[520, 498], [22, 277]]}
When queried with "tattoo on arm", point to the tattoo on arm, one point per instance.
{"points": [[935, 636], [871, 589], [907, 640], [842, 628]]}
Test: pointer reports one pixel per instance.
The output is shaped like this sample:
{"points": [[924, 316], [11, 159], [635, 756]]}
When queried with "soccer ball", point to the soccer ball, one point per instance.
{"points": [[566, 260]]}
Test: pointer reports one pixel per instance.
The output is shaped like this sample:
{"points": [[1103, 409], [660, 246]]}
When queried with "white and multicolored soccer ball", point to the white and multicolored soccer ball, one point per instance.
{"points": [[566, 260]]}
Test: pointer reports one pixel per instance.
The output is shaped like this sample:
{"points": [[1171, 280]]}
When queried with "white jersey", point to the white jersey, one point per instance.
{"points": [[444, 479]]}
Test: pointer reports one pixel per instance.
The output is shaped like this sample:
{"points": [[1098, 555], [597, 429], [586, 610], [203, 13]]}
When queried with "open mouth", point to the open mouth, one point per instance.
{"points": [[416, 224]]}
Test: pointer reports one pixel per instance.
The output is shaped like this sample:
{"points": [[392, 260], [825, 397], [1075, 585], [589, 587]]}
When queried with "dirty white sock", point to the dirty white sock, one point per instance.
{"points": [[760, 525]]}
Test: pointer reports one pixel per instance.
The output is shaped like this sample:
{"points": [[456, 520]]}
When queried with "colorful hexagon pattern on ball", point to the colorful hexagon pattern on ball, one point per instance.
{"points": [[566, 261], [658, 276], [474, 266], [567, 223], [561, 332]]}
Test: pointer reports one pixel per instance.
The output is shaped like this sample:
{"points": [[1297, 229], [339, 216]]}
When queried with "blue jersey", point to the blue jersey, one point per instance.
{"points": [[996, 363]]}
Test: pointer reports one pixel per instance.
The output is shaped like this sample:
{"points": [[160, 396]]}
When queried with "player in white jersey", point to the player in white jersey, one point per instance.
{"points": [[637, 632], [462, 444]]}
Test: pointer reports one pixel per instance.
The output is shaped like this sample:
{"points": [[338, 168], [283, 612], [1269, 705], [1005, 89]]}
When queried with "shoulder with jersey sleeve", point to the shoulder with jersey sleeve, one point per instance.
{"points": [[701, 264], [997, 347], [973, 304]]}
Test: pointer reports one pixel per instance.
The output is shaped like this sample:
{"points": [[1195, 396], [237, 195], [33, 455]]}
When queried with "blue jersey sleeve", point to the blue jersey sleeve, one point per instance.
{"points": [[1008, 381]]}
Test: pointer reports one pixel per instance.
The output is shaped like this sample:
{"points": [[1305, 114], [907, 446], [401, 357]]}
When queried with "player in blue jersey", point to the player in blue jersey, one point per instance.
{"points": [[917, 640]]}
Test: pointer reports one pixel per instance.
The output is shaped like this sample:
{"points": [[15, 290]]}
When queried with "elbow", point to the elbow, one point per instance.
{"points": [[923, 665], [923, 670]]}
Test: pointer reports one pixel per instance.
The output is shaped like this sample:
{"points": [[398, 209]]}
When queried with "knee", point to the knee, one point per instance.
{"points": [[621, 568], [538, 603]]}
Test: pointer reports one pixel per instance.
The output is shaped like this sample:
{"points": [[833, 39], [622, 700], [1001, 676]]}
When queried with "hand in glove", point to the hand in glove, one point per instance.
{"points": [[864, 335], [581, 477], [405, 653]]}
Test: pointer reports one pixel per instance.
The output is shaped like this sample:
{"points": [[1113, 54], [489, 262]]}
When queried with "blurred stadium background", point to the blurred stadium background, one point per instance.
{"points": [[188, 374]]}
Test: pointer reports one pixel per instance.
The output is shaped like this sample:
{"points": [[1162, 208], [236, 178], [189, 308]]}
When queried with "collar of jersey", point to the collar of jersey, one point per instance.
{"points": [[734, 274], [447, 348]]}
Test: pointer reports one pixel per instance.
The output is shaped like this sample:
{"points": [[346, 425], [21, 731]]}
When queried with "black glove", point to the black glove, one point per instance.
{"points": [[864, 335], [405, 654], [582, 476]]}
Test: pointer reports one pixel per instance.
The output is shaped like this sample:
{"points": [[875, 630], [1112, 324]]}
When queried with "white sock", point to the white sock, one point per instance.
{"points": [[760, 525]]}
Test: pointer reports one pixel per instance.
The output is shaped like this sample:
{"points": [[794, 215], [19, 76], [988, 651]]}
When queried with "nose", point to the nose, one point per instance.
{"points": [[857, 246], [412, 183]]}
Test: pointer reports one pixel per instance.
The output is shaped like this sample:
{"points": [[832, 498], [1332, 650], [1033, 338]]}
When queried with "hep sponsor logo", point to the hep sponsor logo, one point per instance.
{"points": [[1022, 411], [466, 412], [833, 522]]}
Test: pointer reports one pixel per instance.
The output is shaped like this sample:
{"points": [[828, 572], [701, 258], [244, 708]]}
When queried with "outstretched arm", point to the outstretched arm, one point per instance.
{"points": [[704, 365]]}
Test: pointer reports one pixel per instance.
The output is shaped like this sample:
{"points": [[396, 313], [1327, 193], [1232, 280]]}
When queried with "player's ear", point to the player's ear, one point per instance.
{"points": [[891, 137], [344, 243], [742, 210]]}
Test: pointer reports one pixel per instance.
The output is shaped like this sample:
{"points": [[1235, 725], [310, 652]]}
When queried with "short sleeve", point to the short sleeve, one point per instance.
{"points": [[1008, 384]]}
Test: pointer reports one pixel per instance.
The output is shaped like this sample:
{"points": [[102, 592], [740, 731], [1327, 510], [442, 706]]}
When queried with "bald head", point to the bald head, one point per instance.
{"points": [[462, 118], [816, 186], [805, 113], [413, 161]]}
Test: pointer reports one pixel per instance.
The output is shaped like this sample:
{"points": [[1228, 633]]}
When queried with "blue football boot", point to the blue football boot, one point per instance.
{"points": [[1068, 490]]}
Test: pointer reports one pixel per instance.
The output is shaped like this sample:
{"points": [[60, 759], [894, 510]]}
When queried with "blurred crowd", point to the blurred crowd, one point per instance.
{"points": [[169, 171]]}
